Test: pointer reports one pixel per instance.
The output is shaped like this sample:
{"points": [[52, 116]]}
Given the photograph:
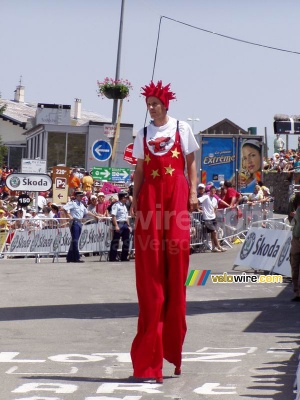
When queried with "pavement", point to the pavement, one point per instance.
{"points": [[66, 332]]}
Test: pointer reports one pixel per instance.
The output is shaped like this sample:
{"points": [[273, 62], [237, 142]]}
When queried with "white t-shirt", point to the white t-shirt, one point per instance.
{"points": [[187, 138], [209, 205]]}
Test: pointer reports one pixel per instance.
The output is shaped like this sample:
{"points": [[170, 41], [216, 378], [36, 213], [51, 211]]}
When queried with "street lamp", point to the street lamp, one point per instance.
{"points": [[193, 120]]}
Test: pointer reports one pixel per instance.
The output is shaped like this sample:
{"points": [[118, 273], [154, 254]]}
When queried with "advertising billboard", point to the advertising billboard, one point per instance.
{"points": [[218, 160], [233, 158]]}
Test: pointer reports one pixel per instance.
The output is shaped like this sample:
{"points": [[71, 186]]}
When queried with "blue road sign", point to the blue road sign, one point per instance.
{"points": [[101, 150]]}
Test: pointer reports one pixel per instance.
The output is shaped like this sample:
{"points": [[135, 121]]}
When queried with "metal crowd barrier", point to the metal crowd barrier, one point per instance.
{"points": [[233, 223], [49, 237], [40, 237]]}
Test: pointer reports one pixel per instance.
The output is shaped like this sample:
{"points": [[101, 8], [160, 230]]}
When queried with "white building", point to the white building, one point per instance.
{"points": [[59, 134]]}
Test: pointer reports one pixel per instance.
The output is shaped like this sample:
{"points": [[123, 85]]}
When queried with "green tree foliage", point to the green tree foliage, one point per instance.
{"points": [[3, 152], [3, 149]]}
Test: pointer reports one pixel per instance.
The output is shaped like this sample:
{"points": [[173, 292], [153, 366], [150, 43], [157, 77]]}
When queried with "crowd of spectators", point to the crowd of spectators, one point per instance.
{"points": [[41, 212], [283, 161], [228, 197]]}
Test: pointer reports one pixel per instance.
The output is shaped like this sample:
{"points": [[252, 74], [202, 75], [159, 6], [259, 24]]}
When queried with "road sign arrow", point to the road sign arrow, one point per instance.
{"points": [[98, 150], [124, 174], [60, 196], [101, 150], [105, 173]]}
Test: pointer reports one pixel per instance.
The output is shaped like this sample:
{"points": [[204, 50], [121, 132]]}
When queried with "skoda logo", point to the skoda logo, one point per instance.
{"points": [[14, 243], [56, 241], [83, 238], [15, 182], [284, 251], [247, 246], [34, 242]]}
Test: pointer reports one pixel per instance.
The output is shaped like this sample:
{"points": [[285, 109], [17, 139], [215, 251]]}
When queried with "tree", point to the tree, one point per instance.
{"points": [[3, 152], [3, 149]]}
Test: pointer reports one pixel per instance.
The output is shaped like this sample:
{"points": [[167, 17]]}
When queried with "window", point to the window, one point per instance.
{"points": [[56, 148], [76, 150]]}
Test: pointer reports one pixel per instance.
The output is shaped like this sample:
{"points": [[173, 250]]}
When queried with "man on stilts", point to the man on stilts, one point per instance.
{"points": [[162, 199]]}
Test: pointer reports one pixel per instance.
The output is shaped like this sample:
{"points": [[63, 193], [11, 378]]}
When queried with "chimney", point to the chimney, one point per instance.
{"points": [[77, 109], [19, 94]]}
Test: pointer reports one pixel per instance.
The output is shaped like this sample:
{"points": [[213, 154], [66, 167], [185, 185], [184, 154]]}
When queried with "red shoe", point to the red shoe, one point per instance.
{"points": [[177, 371], [160, 380]]}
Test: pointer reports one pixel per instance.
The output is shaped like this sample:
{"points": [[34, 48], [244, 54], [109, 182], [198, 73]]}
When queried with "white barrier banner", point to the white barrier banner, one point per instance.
{"points": [[41, 241], [262, 248], [283, 266], [21, 241], [95, 237]]}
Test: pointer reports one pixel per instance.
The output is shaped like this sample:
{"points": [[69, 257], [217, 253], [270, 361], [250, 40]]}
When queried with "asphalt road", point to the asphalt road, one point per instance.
{"points": [[66, 332]]}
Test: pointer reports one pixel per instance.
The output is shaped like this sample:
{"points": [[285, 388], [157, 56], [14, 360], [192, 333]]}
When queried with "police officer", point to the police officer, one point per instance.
{"points": [[76, 210], [120, 222]]}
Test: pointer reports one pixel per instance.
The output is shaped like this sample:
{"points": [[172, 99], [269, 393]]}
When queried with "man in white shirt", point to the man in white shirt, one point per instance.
{"points": [[163, 195], [209, 206]]}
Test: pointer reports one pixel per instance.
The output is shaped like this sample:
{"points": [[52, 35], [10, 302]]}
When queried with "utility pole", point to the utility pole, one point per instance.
{"points": [[117, 76]]}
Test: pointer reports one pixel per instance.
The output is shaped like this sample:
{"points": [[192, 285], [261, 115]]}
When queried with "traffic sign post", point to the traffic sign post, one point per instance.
{"points": [[101, 173], [101, 150], [60, 178], [111, 174], [120, 174], [29, 182], [128, 154], [33, 166], [109, 130], [24, 200]]}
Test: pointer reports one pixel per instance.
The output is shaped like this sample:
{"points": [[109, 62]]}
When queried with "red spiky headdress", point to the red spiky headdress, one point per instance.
{"points": [[163, 93]]}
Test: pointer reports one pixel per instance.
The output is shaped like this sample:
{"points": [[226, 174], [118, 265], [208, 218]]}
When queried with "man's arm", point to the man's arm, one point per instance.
{"points": [[138, 179], [114, 222], [291, 209], [223, 202], [192, 175]]}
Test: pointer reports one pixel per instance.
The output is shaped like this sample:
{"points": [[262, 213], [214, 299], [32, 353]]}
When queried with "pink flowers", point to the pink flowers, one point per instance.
{"points": [[112, 88]]}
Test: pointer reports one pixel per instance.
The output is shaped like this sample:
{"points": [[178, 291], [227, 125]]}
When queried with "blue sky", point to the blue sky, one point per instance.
{"points": [[61, 48]]}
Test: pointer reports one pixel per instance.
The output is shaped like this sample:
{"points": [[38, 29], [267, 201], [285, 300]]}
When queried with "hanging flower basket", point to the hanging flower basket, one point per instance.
{"points": [[114, 89], [116, 92]]}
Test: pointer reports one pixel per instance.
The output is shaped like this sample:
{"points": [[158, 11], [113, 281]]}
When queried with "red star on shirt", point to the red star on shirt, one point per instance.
{"points": [[159, 143]]}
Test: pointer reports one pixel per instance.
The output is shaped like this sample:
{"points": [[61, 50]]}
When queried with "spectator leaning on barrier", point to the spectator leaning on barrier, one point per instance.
{"points": [[256, 196], [102, 205], [231, 196], [209, 206], [267, 198], [93, 204]]}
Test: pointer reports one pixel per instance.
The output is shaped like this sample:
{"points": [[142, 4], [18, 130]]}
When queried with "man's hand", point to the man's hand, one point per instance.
{"points": [[133, 207], [193, 201]]}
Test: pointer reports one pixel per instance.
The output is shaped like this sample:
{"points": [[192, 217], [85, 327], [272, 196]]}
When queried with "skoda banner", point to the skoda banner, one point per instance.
{"points": [[267, 250]]}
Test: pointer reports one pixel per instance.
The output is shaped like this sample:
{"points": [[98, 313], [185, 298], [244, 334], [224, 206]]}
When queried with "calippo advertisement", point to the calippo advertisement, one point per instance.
{"points": [[218, 161], [234, 158]]}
